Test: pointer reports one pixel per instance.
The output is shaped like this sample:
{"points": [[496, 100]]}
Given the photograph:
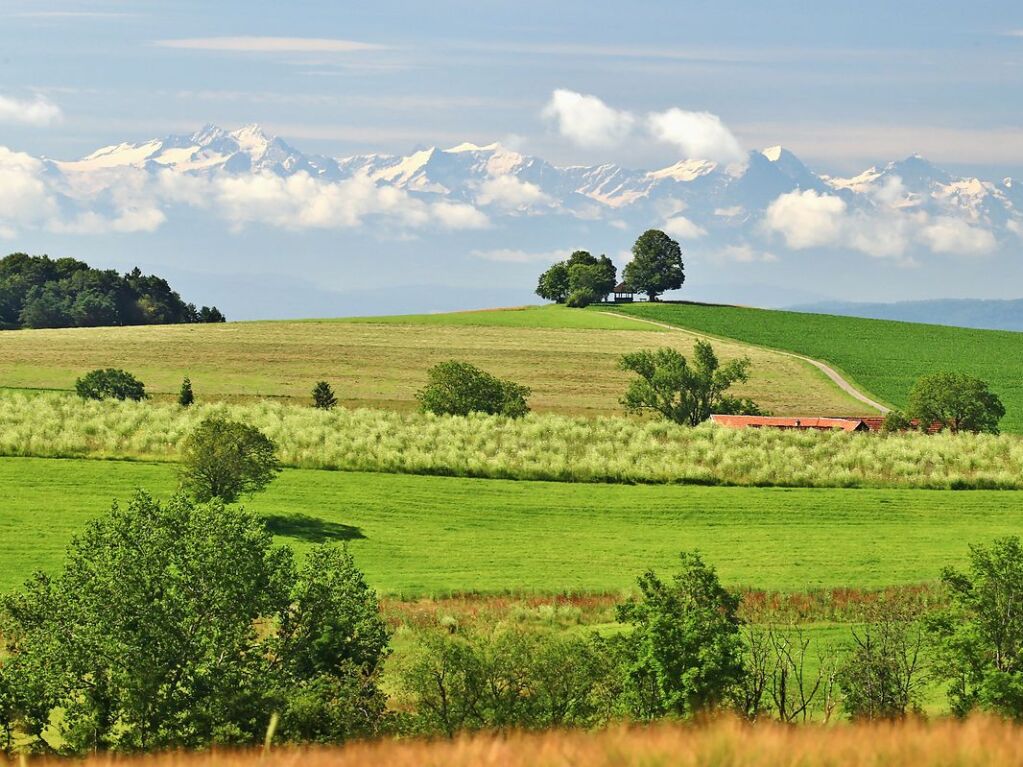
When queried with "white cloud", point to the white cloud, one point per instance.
{"points": [[268, 44], [744, 254], [683, 228], [946, 234], [586, 120], [39, 111], [452, 215], [806, 219], [1015, 227], [700, 135], [24, 197], [730, 212], [513, 256], [511, 192]]}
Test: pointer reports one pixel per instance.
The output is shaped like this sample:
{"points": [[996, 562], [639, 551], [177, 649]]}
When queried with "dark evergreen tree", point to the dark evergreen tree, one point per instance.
{"points": [[186, 396]]}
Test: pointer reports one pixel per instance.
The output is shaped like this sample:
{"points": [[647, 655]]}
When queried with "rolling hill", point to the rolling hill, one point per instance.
{"points": [[567, 357]]}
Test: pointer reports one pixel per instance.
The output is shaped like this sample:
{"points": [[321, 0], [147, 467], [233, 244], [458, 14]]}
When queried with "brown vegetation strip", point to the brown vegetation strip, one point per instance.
{"points": [[975, 743]]}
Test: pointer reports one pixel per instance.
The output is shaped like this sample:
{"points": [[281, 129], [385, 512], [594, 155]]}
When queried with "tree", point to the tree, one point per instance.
{"points": [[458, 388], [186, 396], [223, 459], [980, 638], [581, 298], [895, 421], [181, 625], [587, 277], [110, 383], [656, 264], [957, 401], [882, 677], [211, 314], [685, 651], [323, 396], [553, 284], [682, 392]]}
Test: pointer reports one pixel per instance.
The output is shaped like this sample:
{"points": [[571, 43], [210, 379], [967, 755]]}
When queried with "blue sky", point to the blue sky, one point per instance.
{"points": [[843, 84]]}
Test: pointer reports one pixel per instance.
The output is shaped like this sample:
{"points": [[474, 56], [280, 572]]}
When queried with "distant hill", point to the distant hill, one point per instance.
{"points": [[957, 312]]}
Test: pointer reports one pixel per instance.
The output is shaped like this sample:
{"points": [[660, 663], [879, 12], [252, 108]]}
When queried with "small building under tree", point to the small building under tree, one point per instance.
{"points": [[623, 294]]}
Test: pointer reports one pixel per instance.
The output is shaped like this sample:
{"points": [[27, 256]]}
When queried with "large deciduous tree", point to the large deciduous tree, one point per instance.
{"points": [[684, 392], [587, 277], [957, 401], [656, 264]]}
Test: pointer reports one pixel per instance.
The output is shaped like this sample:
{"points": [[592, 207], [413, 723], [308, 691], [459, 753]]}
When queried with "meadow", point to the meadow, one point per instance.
{"points": [[435, 536], [881, 356], [977, 742], [547, 447], [568, 357]]}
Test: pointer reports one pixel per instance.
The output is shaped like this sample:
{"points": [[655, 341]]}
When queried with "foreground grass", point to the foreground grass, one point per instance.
{"points": [[436, 535], [724, 743], [883, 356], [545, 447], [568, 357]]}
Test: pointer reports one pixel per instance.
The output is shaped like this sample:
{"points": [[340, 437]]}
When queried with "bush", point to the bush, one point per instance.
{"points": [[180, 625], [895, 421], [186, 396], [323, 396], [581, 298], [110, 383], [458, 388], [223, 459], [509, 678]]}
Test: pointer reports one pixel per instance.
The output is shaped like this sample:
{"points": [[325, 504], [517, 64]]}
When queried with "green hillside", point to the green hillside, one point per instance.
{"points": [[434, 535], [881, 356]]}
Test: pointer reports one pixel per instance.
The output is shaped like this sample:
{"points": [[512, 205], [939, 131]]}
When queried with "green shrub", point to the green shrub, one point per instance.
{"points": [[581, 298], [458, 388], [110, 383], [223, 459]]}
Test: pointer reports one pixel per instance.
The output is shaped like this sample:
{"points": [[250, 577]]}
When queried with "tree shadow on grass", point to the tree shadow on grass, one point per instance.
{"points": [[311, 529]]}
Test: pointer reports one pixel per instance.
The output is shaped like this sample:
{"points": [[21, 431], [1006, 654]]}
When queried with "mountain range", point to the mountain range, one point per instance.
{"points": [[471, 220]]}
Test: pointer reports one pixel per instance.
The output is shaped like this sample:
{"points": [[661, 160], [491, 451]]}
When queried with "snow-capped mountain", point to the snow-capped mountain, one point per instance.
{"points": [[494, 177]]}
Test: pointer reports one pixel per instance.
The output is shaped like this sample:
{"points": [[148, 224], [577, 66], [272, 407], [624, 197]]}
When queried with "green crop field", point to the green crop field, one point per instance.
{"points": [[568, 357], [882, 356], [435, 535]]}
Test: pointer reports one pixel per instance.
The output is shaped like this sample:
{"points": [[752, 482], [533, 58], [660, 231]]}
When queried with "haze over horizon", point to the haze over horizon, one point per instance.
{"points": [[576, 127]]}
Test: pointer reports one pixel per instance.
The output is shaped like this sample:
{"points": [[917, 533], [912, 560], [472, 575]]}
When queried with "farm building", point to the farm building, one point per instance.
{"points": [[781, 422], [814, 423]]}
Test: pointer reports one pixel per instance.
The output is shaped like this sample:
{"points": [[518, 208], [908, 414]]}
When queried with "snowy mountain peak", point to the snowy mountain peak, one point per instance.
{"points": [[774, 153], [685, 170], [252, 139], [207, 134], [467, 146]]}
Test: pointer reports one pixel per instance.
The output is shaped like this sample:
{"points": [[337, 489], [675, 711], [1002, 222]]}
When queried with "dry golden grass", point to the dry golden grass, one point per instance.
{"points": [[383, 364], [974, 743]]}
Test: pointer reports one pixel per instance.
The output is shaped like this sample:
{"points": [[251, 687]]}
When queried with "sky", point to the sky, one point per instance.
{"points": [[843, 85]]}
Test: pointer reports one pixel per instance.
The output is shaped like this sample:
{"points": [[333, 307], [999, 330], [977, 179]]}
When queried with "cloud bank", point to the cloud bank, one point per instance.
{"points": [[39, 111]]}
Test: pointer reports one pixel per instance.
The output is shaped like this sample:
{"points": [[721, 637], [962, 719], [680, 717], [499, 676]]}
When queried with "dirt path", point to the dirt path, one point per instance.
{"points": [[829, 371]]}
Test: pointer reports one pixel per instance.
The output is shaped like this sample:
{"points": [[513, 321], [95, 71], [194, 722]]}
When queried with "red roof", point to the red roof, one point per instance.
{"points": [[621, 287], [778, 422]]}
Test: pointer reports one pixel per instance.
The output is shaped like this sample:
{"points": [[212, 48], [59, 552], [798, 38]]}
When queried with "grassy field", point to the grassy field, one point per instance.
{"points": [[882, 356], [539, 446], [437, 535], [568, 357]]}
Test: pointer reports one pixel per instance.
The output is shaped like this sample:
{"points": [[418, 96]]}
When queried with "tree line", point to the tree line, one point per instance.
{"points": [[40, 292]]}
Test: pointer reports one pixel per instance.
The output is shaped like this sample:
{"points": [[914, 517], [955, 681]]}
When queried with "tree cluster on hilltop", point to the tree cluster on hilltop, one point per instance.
{"points": [[40, 292]]}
